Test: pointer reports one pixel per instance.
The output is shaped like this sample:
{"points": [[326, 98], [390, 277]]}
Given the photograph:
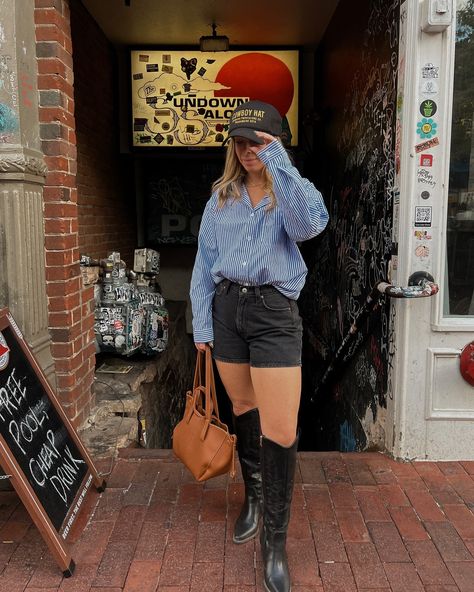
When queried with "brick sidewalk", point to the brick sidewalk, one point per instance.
{"points": [[360, 522]]}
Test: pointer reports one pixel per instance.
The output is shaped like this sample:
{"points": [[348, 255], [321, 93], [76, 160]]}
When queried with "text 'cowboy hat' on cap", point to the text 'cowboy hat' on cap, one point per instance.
{"points": [[255, 116]]}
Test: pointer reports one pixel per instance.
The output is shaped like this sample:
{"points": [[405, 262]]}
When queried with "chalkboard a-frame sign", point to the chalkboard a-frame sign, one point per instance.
{"points": [[40, 450]]}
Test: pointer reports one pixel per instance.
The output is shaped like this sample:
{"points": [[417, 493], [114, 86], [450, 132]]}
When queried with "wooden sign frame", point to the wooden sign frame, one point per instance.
{"points": [[54, 536]]}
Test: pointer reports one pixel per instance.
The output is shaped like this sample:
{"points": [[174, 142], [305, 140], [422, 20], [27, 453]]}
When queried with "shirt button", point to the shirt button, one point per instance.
{"points": [[244, 290], [244, 263], [252, 215], [249, 238]]}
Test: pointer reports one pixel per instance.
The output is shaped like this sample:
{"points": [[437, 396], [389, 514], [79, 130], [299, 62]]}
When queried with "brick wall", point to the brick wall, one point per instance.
{"points": [[89, 207], [106, 204], [69, 304]]}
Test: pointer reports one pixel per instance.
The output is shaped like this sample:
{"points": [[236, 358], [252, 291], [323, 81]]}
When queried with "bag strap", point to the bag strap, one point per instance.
{"points": [[204, 383], [198, 371], [210, 383]]}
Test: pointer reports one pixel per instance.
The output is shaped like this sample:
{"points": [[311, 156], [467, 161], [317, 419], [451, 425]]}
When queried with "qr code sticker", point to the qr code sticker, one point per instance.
{"points": [[422, 215]]}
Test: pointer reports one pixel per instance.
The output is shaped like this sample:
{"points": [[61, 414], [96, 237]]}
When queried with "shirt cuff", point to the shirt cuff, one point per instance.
{"points": [[275, 153], [203, 336]]}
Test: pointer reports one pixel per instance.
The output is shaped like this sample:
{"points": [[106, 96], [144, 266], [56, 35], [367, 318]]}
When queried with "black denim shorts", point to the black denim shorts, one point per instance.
{"points": [[256, 325]]}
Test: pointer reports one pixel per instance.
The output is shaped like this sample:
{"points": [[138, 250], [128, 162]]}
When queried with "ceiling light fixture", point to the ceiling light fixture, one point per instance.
{"points": [[214, 42]]}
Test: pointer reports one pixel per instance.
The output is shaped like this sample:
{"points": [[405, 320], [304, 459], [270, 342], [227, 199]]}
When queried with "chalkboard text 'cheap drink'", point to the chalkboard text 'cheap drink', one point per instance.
{"points": [[49, 466]]}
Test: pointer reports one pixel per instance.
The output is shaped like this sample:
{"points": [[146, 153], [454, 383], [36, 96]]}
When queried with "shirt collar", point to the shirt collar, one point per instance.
{"points": [[246, 199]]}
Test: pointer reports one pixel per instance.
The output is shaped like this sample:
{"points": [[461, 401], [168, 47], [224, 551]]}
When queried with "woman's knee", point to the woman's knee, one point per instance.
{"points": [[284, 436], [241, 406]]}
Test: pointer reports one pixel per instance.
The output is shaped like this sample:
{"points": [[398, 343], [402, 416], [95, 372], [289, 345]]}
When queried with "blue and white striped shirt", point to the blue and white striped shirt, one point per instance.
{"points": [[255, 246]]}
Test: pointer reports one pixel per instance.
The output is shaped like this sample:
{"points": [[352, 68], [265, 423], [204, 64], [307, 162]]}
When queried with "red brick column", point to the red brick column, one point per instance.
{"points": [[70, 305]]}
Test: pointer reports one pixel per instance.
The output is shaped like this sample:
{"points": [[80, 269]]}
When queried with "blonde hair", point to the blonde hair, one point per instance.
{"points": [[228, 186]]}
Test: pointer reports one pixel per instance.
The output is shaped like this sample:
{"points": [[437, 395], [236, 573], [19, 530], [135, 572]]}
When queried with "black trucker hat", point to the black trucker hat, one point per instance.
{"points": [[254, 116]]}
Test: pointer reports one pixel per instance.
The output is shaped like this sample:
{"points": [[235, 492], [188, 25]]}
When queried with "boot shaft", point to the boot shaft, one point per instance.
{"points": [[247, 430], [278, 474]]}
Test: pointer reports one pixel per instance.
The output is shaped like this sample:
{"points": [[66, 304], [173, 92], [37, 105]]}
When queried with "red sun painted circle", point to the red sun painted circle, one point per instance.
{"points": [[258, 76]]}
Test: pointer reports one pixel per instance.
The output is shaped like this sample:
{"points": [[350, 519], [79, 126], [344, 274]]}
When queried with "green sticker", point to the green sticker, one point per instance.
{"points": [[428, 108]]}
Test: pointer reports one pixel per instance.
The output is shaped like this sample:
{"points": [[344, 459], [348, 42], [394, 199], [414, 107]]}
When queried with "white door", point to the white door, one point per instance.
{"points": [[431, 412]]}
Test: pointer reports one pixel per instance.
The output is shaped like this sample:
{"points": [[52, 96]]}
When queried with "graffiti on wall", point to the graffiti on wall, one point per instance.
{"points": [[355, 251], [176, 194], [9, 122]]}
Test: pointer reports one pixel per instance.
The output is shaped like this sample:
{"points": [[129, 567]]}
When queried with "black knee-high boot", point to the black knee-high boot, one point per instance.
{"points": [[278, 470], [247, 430]]}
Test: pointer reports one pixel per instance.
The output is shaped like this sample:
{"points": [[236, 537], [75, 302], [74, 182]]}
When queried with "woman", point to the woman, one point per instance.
{"points": [[247, 277]]}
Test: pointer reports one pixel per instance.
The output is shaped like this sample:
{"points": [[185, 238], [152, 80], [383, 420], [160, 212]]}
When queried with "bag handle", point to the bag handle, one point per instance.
{"points": [[210, 382], [204, 382], [197, 371]]}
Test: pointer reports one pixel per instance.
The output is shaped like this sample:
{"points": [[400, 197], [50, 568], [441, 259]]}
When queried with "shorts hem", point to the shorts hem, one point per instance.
{"points": [[230, 360], [274, 365]]}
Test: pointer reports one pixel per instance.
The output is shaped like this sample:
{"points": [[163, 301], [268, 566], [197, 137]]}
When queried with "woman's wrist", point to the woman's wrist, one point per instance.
{"points": [[202, 346]]}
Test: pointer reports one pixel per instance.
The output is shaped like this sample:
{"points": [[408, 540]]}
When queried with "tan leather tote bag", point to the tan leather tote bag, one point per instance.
{"points": [[200, 440]]}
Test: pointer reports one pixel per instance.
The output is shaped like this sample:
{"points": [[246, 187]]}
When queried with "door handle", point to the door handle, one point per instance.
{"points": [[420, 285]]}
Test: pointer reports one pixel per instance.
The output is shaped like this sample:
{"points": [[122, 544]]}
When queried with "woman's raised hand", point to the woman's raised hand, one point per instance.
{"points": [[267, 138]]}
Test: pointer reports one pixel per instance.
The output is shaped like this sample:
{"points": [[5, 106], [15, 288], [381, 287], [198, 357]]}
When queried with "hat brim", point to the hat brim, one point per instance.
{"points": [[245, 132]]}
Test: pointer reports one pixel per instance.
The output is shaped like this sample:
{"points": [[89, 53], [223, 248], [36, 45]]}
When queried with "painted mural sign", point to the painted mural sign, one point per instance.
{"points": [[185, 98]]}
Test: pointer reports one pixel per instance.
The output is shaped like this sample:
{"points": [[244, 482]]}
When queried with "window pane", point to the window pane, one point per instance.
{"points": [[460, 228]]}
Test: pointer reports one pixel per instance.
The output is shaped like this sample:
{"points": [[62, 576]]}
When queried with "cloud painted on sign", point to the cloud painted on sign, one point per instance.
{"points": [[169, 82], [204, 85]]}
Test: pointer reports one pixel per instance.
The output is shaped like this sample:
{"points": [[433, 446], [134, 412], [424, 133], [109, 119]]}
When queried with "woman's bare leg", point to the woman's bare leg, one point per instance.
{"points": [[275, 391], [277, 394], [238, 384], [237, 381]]}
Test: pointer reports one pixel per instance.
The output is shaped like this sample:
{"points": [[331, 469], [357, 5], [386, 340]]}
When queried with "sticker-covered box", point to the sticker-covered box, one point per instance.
{"points": [[146, 261]]}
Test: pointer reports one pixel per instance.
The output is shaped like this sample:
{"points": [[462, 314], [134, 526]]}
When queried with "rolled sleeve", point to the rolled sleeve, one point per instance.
{"points": [[202, 284], [303, 207]]}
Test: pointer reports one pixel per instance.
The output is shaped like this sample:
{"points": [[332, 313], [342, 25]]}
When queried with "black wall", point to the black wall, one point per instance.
{"points": [[354, 164]]}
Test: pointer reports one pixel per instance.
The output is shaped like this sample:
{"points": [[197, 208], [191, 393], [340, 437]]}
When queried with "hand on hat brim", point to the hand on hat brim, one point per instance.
{"points": [[267, 138], [248, 134]]}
